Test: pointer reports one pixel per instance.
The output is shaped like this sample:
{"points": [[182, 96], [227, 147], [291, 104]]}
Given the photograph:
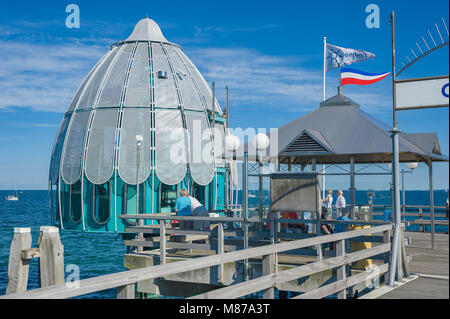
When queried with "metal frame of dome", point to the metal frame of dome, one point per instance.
{"points": [[124, 96]]}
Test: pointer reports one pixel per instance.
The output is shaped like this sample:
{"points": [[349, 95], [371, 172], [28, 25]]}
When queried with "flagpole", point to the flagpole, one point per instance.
{"points": [[323, 99], [324, 65]]}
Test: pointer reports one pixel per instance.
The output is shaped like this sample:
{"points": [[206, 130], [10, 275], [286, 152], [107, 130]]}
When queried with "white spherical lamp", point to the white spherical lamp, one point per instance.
{"points": [[261, 141], [412, 165], [232, 143]]}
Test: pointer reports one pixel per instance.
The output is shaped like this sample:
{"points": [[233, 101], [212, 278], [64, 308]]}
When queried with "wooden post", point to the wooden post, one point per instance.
{"points": [[386, 240], [340, 272], [220, 250], [387, 257], [18, 267], [51, 261], [126, 292], [268, 265], [162, 242], [319, 252]]}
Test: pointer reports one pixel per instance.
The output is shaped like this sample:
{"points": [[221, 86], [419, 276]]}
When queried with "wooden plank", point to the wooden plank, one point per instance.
{"points": [[162, 242], [343, 284], [220, 250], [30, 253], [51, 262], [340, 272], [187, 238], [268, 268], [17, 267], [132, 276], [187, 218], [126, 292], [268, 281]]}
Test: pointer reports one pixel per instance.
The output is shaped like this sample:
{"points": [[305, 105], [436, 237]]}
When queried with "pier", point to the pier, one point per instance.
{"points": [[429, 266], [210, 264]]}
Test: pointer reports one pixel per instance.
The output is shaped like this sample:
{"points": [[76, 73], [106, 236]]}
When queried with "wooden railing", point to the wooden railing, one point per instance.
{"points": [[125, 281]]}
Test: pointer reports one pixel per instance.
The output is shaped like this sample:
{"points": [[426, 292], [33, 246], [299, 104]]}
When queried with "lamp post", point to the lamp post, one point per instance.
{"points": [[139, 139], [231, 145], [260, 142]]}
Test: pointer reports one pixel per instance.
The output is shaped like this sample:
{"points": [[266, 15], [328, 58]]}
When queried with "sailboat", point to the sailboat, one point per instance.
{"points": [[12, 197]]}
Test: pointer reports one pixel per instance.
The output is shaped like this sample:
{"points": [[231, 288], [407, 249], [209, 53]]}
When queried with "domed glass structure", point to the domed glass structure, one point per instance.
{"points": [[141, 126]]}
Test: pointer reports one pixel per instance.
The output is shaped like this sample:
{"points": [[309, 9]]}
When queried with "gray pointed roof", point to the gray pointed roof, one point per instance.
{"points": [[338, 130], [147, 30]]}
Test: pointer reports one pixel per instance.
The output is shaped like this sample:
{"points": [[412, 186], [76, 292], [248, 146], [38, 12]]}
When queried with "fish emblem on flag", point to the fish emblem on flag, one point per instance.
{"points": [[338, 56]]}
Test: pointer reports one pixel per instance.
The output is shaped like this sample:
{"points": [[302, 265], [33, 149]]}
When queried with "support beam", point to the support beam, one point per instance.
{"points": [[17, 267], [430, 179], [126, 292], [341, 275], [245, 209], [352, 188], [261, 194], [51, 261], [162, 242], [220, 250], [268, 267], [395, 265]]}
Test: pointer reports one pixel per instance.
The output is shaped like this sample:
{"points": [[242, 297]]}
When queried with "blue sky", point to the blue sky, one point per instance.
{"points": [[269, 53]]}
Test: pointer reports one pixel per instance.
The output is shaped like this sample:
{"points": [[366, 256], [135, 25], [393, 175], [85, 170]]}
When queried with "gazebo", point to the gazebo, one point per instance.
{"points": [[339, 132]]}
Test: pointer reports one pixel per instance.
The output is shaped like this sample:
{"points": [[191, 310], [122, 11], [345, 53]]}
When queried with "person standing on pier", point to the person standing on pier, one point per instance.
{"points": [[340, 203], [328, 201], [183, 208]]}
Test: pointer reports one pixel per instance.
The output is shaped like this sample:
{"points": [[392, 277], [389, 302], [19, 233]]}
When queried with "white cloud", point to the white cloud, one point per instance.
{"points": [[282, 82], [43, 77]]}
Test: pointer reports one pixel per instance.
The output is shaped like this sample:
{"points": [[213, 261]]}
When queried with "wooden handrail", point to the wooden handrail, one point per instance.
{"points": [[131, 277]]}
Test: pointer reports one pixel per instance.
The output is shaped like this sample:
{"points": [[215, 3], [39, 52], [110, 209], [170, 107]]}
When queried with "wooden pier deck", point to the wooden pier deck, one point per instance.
{"points": [[431, 267]]}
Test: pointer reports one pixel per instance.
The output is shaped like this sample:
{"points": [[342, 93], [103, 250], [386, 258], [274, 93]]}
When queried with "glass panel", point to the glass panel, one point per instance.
{"points": [[88, 98], [138, 88], [171, 146], [219, 144], [100, 149], [130, 201], [168, 196], [73, 148], [75, 202], [75, 99], [203, 87], [112, 90], [165, 90], [189, 93], [57, 150], [135, 122], [199, 192], [101, 203], [201, 160]]}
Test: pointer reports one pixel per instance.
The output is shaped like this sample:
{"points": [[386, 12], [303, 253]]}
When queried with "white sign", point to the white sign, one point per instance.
{"points": [[425, 92]]}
